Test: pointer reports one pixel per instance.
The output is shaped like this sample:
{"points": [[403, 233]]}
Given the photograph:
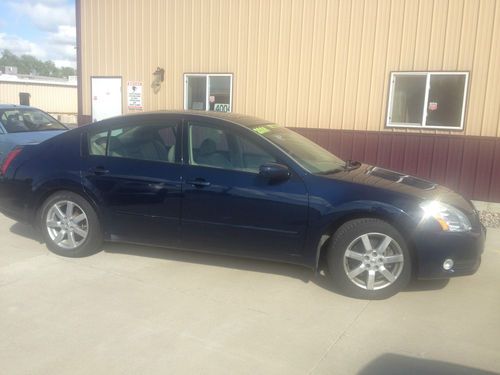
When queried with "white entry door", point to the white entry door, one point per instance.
{"points": [[106, 97]]}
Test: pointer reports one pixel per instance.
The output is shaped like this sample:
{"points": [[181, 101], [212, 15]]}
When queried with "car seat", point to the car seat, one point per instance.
{"points": [[208, 155], [14, 125]]}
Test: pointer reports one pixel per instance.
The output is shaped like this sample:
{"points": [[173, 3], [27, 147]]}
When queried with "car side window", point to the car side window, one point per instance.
{"points": [[253, 156], [140, 142], [221, 148], [98, 143]]}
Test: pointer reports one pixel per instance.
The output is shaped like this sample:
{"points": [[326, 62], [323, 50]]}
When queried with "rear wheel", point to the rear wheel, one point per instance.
{"points": [[368, 258], [70, 225]]}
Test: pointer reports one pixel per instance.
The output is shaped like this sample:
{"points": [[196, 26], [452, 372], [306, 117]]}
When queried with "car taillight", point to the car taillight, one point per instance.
{"points": [[9, 159]]}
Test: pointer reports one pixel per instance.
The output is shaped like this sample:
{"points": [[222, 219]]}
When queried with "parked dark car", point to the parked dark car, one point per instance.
{"points": [[239, 185], [20, 125]]}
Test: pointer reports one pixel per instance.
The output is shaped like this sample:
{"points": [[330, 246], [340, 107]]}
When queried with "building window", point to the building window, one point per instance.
{"points": [[208, 92], [433, 100]]}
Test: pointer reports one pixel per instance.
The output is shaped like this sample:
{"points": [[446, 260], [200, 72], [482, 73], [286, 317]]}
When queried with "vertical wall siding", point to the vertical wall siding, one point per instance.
{"points": [[303, 63], [57, 99]]}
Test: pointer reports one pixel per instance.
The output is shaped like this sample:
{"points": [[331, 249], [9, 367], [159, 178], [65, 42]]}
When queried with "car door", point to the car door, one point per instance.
{"points": [[134, 172], [227, 206]]}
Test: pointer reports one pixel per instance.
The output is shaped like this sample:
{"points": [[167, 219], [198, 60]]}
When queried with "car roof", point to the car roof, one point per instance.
{"points": [[11, 106], [236, 118]]}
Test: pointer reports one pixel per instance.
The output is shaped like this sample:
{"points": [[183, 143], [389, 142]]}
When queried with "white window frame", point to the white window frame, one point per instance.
{"points": [[422, 125], [207, 95]]}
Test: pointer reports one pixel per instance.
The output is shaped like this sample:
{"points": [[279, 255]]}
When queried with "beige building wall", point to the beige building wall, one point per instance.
{"points": [[302, 63], [54, 99]]}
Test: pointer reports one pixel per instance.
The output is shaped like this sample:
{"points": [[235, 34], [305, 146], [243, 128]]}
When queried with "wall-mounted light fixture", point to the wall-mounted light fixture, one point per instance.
{"points": [[159, 77]]}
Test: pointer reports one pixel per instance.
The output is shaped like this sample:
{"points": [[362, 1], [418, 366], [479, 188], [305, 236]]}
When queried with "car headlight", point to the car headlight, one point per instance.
{"points": [[449, 218]]}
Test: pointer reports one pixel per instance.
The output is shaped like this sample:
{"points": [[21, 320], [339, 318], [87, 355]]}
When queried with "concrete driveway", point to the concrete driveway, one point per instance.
{"points": [[138, 310]]}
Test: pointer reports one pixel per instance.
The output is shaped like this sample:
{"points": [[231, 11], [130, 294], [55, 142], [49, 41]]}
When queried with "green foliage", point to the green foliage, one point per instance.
{"points": [[31, 65]]}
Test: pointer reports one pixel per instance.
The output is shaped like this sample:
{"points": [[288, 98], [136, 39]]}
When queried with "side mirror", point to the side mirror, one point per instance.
{"points": [[274, 172]]}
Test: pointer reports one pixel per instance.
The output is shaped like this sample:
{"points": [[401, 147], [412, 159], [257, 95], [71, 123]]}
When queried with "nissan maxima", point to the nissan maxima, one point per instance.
{"points": [[239, 185]]}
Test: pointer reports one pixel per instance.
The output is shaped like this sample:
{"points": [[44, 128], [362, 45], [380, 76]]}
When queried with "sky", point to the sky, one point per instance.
{"points": [[41, 28]]}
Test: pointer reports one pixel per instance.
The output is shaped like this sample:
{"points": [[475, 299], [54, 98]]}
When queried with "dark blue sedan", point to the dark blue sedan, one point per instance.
{"points": [[243, 186]]}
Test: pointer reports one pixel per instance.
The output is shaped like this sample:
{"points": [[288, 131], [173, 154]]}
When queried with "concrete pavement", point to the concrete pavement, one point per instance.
{"points": [[139, 310]]}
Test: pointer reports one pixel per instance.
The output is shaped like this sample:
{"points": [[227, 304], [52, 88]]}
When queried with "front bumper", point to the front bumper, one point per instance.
{"points": [[433, 248]]}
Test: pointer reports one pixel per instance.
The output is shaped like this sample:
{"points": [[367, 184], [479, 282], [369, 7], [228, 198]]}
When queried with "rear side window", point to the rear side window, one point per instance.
{"points": [[152, 142], [98, 143]]}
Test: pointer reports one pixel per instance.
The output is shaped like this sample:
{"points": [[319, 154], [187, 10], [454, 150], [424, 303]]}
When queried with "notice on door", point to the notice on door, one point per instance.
{"points": [[134, 95]]}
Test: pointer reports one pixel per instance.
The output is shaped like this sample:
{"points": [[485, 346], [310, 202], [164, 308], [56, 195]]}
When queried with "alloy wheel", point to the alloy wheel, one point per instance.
{"points": [[67, 224], [373, 261]]}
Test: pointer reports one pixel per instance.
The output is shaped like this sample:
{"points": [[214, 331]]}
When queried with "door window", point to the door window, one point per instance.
{"points": [[98, 143], [221, 148], [154, 143]]}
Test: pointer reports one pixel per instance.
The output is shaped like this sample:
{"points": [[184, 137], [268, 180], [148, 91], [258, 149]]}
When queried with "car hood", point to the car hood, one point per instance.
{"points": [[403, 183]]}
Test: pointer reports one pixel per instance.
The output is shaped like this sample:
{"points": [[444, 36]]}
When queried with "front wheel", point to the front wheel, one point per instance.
{"points": [[69, 225], [368, 258]]}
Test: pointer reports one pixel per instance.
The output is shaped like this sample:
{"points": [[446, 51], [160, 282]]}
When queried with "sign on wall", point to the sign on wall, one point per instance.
{"points": [[222, 107], [134, 95]]}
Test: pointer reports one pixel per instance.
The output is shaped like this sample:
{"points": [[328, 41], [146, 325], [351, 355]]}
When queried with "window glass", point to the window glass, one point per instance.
{"points": [[308, 154], [254, 156], [28, 120], [98, 142], [220, 93], [225, 149], [154, 143], [446, 97], [208, 92], [196, 92], [427, 99], [408, 99]]}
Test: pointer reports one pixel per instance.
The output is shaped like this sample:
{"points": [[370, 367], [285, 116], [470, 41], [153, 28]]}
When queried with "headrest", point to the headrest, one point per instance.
{"points": [[208, 146]]}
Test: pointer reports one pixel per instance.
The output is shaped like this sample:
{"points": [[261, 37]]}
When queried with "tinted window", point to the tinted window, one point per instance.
{"points": [[155, 143], [28, 120], [213, 147], [308, 154], [98, 142]]}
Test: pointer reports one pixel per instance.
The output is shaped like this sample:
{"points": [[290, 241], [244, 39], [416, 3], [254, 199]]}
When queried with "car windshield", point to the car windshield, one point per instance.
{"points": [[21, 120], [308, 154]]}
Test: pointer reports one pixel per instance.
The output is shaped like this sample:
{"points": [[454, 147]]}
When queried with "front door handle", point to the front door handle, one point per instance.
{"points": [[99, 171], [199, 182]]}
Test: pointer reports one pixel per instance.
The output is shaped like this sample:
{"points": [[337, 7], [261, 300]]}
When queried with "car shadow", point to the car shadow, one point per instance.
{"points": [[27, 231], [389, 363], [321, 278], [210, 259]]}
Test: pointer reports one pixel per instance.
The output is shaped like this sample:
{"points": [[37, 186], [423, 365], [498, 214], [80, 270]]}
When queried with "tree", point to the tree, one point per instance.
{"points": [[27, 64]]}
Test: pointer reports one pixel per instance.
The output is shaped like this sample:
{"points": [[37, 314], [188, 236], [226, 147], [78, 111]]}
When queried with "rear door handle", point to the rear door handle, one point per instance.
{"points": [[199, 183], [99, 171]]}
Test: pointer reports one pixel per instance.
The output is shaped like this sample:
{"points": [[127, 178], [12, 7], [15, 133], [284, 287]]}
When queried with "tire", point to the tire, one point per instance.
{"points": [[373, 269], [77, 235]]}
